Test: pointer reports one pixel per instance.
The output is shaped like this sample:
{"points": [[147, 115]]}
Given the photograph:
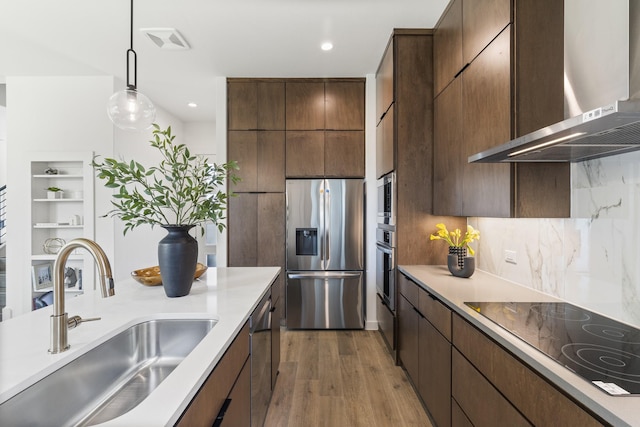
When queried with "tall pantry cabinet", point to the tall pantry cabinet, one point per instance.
{"points": [[404, 145], [498, 75]]}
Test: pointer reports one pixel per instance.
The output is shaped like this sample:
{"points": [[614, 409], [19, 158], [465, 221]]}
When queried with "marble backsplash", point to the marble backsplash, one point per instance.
{"points": [[591, 259]]}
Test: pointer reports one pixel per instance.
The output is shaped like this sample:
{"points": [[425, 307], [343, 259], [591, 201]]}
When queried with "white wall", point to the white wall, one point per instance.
{"points": [[49, 114], [590, 259], [371, 202], [3, 134]]}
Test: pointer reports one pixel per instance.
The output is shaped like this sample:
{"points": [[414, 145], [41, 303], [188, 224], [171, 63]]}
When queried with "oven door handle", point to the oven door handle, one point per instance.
{"points": [[322, 275], [384, 248]]}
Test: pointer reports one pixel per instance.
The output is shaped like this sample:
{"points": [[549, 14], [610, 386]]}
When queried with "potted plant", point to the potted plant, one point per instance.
{"points": [[179, 193], [459, 263], [54, 193]]}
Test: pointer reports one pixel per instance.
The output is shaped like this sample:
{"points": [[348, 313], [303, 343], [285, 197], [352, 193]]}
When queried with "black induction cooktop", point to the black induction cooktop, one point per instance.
{"points": [[603, 351]]}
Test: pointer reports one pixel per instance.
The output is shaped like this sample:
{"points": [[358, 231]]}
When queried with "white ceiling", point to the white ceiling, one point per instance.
{"points": [[232, 38]]}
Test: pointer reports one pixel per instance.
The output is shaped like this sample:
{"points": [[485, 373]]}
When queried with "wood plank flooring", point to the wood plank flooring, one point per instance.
{"points": [[341, 379]]}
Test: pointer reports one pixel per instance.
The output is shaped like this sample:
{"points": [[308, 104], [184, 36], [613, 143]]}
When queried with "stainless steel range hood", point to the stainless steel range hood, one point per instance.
{"points": [[602, 62]]}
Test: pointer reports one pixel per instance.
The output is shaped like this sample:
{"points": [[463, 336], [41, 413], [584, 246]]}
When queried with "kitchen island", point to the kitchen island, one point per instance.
{"points": [[228, 295], [453, 292]]}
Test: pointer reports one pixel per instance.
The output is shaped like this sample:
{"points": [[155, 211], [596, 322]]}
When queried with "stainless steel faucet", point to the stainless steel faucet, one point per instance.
{"points": [[60, 321]]}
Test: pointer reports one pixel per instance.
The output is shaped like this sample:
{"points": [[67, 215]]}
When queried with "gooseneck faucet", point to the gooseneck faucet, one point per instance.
{"points": [[60, 321]]}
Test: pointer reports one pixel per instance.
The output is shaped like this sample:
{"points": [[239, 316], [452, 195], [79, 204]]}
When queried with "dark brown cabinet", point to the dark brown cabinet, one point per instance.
{"points": [[305, 105], [260, 156], [481, 403], [256, 222], [491, 386], [325, 129], [495, 96], [424, 347], [229, 377], [482, 21], [447, 46], [255, 104]]}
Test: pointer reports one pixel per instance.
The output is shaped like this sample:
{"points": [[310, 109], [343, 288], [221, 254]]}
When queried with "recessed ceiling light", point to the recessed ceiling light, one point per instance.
{"points": [[192, 104], [326, 46]]}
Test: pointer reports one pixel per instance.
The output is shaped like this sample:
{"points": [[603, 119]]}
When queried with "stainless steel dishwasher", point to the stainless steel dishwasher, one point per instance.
{"points": [[260, 333]]}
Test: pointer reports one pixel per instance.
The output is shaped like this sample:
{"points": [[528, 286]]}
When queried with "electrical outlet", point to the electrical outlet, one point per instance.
{"points": [[510, 257]]}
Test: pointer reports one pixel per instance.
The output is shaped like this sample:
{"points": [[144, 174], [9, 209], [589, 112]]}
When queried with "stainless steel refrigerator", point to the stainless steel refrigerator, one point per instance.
{"points": [[325, 254]]}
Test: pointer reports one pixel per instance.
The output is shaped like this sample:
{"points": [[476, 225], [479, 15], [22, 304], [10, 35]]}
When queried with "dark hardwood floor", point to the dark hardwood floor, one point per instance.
{"points": [[341, 379]]}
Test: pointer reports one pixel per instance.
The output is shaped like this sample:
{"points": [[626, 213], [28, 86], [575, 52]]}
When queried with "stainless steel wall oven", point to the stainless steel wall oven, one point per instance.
{"points": [[386, 241], [386, 266]]}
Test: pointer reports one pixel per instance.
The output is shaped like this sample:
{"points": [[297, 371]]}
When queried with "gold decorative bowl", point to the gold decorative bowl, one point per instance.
{"points": [[150, 276]]}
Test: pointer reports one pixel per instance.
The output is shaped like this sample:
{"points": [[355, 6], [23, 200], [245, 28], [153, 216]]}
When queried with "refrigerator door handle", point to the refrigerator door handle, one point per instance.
{"points": [[322, 275], [327, 224]]}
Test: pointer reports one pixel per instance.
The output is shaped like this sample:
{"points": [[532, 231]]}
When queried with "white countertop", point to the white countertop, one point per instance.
{"points": [[485, 287], [226, 294]]}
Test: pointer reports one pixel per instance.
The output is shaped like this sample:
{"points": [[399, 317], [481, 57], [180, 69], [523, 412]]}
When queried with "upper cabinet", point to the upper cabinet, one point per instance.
{"points": [[482, 21], [447, 47], [494, 81], [325, 128], [404, 82], [255, 105]]}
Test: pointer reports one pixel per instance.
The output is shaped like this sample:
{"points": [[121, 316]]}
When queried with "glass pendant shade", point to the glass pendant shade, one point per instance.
{"points": [[129, 109]]}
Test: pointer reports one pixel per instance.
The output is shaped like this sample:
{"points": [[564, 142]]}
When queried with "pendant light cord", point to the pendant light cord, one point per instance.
{"points": [[132, 54]]}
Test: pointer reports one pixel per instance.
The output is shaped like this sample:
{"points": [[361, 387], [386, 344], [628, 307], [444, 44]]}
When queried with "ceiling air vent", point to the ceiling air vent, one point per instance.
{"points": [[166, 38]]}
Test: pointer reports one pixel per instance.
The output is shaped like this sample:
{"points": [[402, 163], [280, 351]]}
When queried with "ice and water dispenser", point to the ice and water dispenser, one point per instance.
{"points": [[307, 241]]}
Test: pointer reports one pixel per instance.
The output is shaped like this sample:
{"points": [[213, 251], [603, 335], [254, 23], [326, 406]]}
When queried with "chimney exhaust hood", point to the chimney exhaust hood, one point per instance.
{"points": [[602, 63]]}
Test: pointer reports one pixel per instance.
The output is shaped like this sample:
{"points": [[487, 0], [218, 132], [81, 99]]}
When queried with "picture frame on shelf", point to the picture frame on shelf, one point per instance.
{"points": [[42, 276]]}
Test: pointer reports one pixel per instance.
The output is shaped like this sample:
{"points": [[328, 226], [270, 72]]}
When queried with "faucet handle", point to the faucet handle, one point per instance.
{"points": [[77, 320]]}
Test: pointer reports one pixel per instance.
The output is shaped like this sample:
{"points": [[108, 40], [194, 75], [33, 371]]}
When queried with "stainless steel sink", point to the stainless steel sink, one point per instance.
{"points": [[108, 380]]}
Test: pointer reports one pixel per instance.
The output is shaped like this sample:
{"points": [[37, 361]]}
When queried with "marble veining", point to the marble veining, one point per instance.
{"points": [[591, 259]]}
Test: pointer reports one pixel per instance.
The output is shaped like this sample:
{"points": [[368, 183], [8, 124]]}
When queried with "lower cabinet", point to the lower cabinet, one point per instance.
{"points": [[227, 381], [424, 347], [493, 387], [464, 378], [238, 412], [386, 324]]}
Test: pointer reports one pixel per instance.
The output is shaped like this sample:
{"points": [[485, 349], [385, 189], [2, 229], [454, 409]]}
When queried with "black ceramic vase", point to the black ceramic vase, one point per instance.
{"points": [[177, 258], [460, 265]]}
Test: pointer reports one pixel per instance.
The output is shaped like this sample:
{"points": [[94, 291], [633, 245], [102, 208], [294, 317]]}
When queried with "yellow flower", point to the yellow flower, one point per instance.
{"points": [[453, 237]]}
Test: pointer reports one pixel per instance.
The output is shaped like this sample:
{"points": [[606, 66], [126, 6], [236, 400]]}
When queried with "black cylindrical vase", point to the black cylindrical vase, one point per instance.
{"points": [[177, 258]]}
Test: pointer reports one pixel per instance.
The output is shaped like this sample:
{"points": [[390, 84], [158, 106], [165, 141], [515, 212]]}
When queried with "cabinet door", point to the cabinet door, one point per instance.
{"points": [[482, 21], [408, 338], [242, 105], [270, 161], [238, 412], [243, 230], [270, 240], [385, 153], [242, 146], [305, 105], [386, 323], [260, 156], [206, 404], [305, 154], [447, 46], [344, 154], [480, 401], [255, 105], [486, 112], [270, 115], [449, 151], [434, 384], [384, 82], [344, 105]]}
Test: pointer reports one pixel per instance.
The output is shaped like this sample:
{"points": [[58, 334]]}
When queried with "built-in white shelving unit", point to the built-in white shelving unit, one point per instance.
{"points": [[55, 221]]}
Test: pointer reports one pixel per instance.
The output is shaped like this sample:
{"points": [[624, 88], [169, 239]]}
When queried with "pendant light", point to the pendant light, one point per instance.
{"points": [[129, 109]]}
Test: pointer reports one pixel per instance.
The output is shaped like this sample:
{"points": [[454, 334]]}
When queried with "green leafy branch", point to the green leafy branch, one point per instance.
{"points": [[181, 189]]}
